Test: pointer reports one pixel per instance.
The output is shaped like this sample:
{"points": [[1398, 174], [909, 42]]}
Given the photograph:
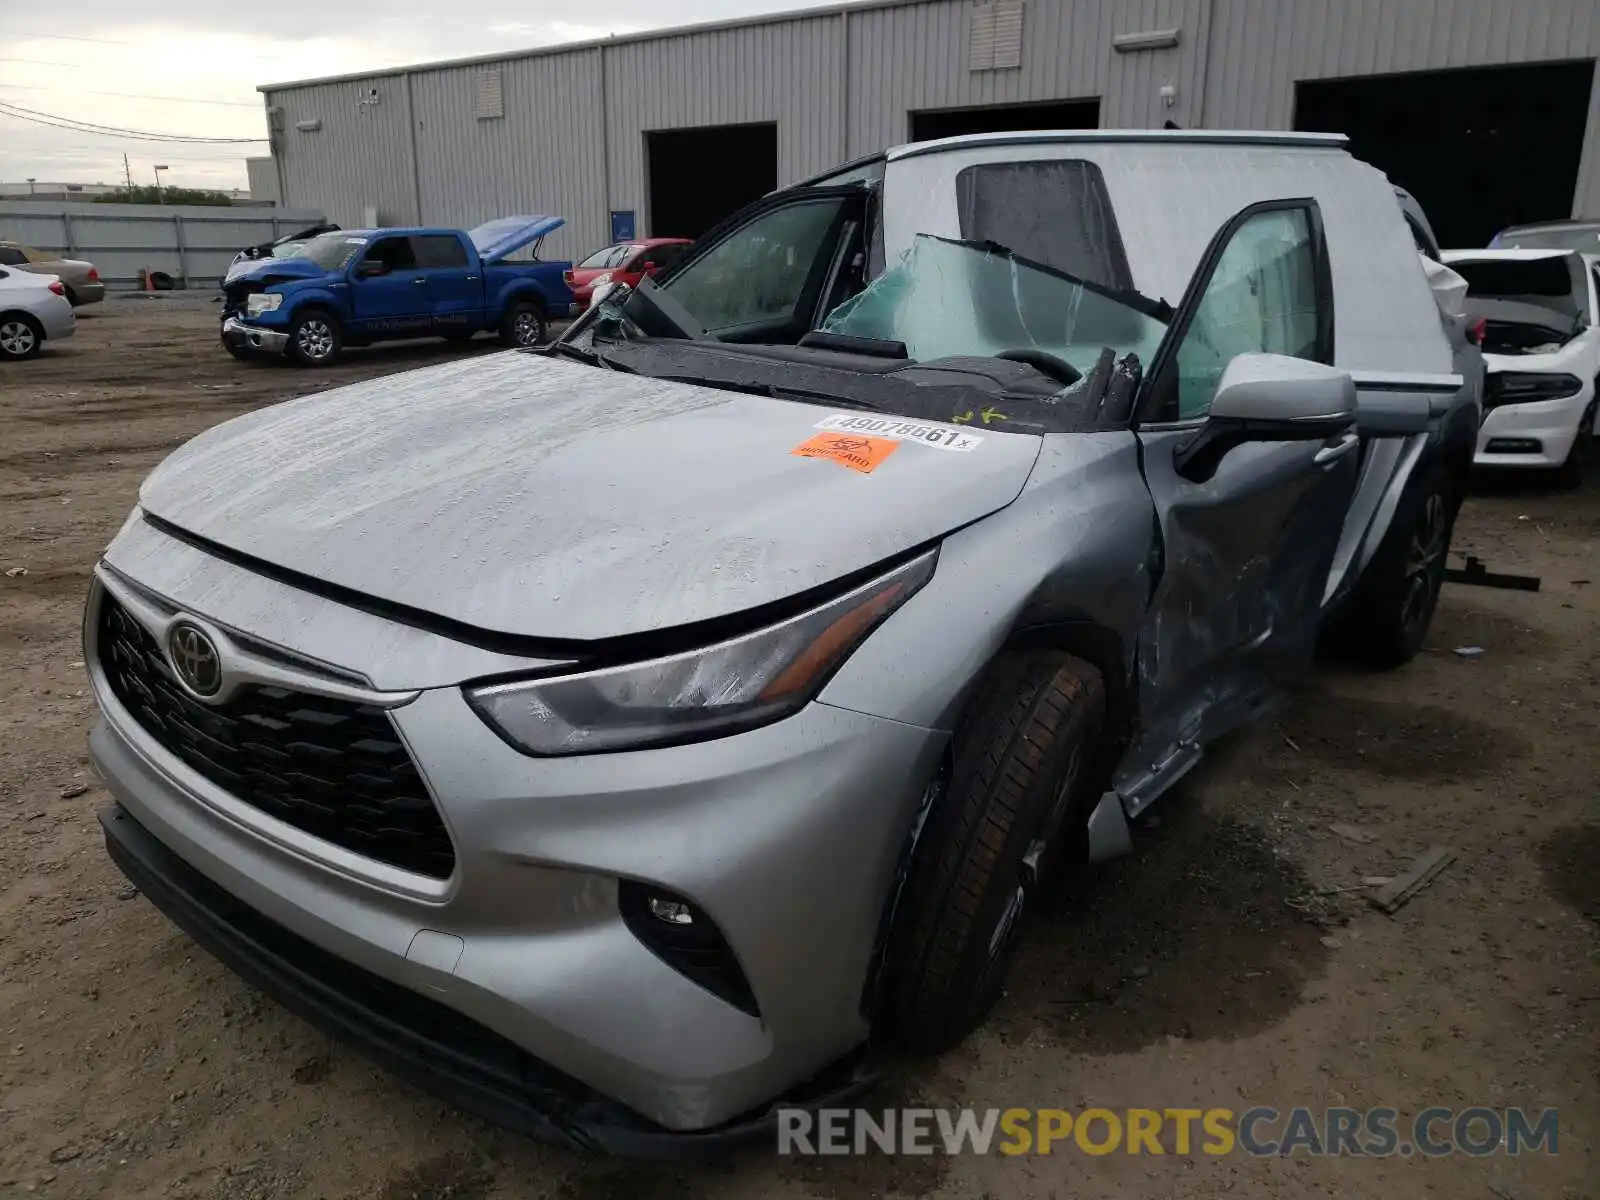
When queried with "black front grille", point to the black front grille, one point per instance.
{"points": [[334, 768]]}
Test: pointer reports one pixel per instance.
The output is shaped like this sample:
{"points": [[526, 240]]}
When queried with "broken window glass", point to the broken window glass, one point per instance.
{"points": [[944, 299]]}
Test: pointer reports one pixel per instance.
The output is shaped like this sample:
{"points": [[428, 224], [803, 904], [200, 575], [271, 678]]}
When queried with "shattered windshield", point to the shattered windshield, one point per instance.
{"points": [[945, 298], [331, 251]]}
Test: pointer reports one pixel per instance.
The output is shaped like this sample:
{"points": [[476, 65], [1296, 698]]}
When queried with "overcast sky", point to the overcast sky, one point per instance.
{"points": [[192, 67]]}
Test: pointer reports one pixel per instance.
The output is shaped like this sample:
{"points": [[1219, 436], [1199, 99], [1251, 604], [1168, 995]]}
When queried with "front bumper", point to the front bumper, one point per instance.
{"points": [[415, 1037], [787, 836], [252, 337], [1535, 435]]}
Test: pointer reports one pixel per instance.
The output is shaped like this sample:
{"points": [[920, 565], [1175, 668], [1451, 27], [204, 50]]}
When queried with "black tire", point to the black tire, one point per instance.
{"points": [[72, 296], [525, 325], [1386, 620], [1017, 799], [20, 336], [1571, 472], [316, 339]]}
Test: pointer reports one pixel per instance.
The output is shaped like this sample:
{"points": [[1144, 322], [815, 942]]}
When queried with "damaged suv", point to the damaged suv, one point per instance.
{"points": [[625, 737]]}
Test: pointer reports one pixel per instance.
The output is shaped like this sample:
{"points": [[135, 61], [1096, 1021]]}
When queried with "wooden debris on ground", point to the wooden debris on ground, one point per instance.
{"points": [[1402, 887]]}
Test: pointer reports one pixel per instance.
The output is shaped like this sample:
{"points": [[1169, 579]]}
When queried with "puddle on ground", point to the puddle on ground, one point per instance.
{"points": [[1571, 861], [1196, 936], [1502, 637], [1398, 740]]}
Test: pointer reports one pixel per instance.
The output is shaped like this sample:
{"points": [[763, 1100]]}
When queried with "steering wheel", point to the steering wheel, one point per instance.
{"points": [[1044, 362]]}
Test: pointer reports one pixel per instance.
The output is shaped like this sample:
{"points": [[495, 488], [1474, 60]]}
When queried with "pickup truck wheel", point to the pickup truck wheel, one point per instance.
{"points": [[315, 339], [1018, 791], [1386, 619], [20, 336], [524, 325]]}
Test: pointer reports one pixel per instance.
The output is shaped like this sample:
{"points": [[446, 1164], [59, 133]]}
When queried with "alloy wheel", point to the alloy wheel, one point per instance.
{"points": [[525, 329], [315, 340], [1425, 562], [17, 338]]}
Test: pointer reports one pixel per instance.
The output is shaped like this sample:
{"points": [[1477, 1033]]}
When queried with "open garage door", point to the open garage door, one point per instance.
{"points": [[699, 176], [1480, 147], [1009, 118]]}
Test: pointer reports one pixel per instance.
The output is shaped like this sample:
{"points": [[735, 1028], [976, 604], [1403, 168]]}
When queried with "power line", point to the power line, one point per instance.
{"points": [[37, 87], [63, 37], [54, 121]]}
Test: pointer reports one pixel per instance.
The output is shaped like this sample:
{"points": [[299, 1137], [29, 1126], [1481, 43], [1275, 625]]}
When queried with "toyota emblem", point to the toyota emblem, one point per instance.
{"points": [[194, 659]]}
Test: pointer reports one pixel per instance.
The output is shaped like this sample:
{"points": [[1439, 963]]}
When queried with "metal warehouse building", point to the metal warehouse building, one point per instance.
{"points": [[1487, 110]]}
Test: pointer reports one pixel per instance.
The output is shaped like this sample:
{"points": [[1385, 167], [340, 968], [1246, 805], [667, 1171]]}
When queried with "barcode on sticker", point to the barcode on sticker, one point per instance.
{"points": [[939, 437]]}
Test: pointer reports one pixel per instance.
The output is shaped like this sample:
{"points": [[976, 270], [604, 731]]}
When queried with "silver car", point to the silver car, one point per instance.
{"points": [[34, 309], [623, 738]]}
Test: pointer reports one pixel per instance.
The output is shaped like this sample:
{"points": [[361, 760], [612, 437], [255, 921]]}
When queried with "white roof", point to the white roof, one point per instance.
{"points": [[1455, 256], [1211, 137]]}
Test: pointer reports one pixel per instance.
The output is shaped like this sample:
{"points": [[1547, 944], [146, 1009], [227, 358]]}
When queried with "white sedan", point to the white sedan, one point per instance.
{"points": [[1539, 317], [33, 309]]}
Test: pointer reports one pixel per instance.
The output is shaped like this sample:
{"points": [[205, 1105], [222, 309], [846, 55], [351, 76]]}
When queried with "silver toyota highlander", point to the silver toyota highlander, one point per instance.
{"points": [[625, 738]]}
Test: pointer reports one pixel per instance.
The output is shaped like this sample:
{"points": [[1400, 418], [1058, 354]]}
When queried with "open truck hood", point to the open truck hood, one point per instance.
{"points": [[506, 235], [544, 498]]}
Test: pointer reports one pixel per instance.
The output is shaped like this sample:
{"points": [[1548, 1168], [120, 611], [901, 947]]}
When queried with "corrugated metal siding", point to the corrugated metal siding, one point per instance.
{"points": [[791, 73], [843, 84], [359, 159], [543, 156], [907, 59]]}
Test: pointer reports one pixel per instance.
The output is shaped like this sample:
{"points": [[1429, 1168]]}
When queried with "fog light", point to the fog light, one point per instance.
{"points": [[673, 912], [1514, 446]]}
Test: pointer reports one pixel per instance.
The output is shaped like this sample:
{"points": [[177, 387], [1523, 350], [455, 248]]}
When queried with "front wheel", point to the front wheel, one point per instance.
{"points": [[20, 336], [315, 339], [1570, 473], [1020, 789], [524, 325], [1387, 618]]}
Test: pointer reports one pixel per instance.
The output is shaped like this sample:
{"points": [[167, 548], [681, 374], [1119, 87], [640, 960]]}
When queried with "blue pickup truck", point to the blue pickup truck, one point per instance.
{"points": [[353, 287]]}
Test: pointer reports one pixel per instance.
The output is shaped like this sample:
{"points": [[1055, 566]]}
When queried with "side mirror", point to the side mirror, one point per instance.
{"points": [[370, 270], [649, 268], [1268, 398]]}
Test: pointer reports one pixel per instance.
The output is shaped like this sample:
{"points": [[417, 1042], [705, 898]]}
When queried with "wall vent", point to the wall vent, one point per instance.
{"points": [[488, 96], [994, 36]]}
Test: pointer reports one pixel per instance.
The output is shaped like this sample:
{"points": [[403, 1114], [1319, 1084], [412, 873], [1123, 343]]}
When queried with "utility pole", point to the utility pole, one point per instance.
{"points": [[127, 172]]}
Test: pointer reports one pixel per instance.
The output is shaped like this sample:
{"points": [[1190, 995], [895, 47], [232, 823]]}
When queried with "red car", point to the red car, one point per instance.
{"points": [[626, 262]]}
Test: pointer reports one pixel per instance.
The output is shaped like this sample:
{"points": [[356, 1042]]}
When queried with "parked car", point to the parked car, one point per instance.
{"points": [[622, 738], [624, 262], [34, 309], [286, 246], [1581, 234], [1541, 341], [359, 286], [80, 280]]}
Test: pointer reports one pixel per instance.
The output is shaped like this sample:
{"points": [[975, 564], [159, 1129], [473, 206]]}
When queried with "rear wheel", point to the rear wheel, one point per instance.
{"points": [[1571, 472], [315, 339], [20, 336], [1385, 621], [1017, 797], [524, 325]]}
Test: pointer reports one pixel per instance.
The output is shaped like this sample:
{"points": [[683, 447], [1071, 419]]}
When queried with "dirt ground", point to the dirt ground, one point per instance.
{"points": [[1230, 962]]}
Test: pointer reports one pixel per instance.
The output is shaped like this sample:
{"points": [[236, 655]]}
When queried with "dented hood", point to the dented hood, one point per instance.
{"points": [[545, 498]]}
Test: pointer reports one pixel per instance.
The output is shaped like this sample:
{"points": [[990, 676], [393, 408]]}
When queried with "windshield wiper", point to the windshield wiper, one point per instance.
{"points": [[772, 392], [592, 358]]}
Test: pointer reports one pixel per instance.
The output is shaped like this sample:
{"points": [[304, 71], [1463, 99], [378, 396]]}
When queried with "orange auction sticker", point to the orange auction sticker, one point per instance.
{"points": [[851, 450]]}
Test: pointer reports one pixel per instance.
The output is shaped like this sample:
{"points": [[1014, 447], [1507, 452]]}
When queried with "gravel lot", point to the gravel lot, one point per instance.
{"points": [[1219, 966]]}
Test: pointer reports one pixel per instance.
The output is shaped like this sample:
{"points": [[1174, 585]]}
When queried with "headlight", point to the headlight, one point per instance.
{"points": [[1524, 387], [733, 685], [260, 302]]}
